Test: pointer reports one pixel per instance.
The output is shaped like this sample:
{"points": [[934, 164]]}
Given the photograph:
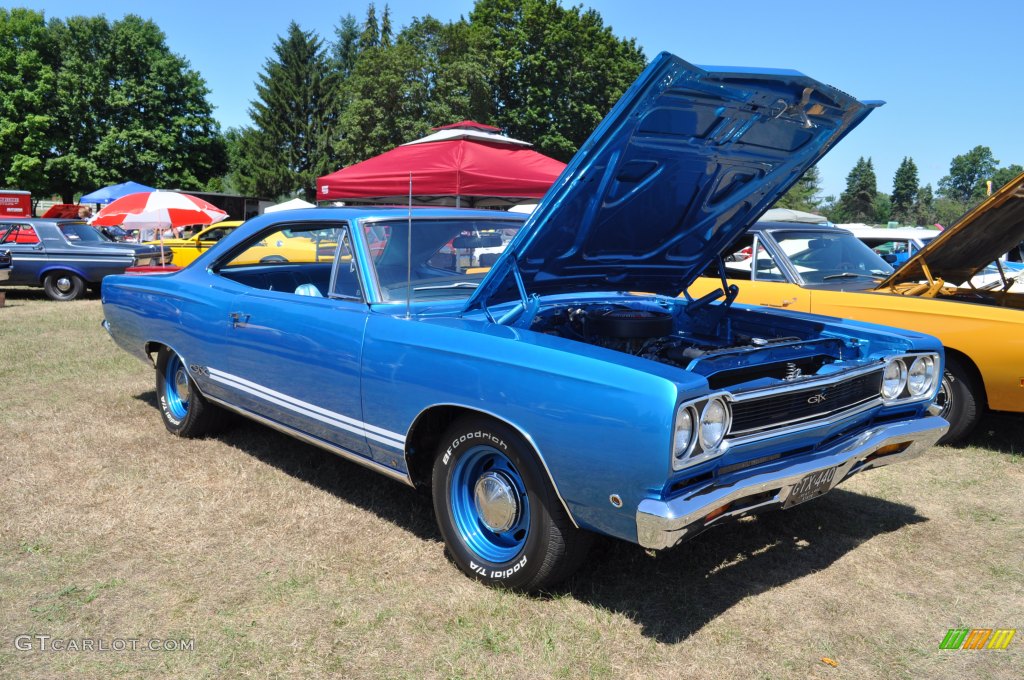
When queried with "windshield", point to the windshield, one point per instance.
{"points": [[80, 232], [449, 256], [820, 256]]}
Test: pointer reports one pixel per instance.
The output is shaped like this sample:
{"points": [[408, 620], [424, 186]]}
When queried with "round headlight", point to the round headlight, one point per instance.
{"points": [[921, 376], [893, 379], [714, 421], [682, 437]]}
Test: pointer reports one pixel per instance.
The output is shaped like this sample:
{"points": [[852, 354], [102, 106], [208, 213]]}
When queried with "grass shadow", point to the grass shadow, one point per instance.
{"points": [[672, 595], [352, 483], [675, 593], [998, 432], [17, 295]]}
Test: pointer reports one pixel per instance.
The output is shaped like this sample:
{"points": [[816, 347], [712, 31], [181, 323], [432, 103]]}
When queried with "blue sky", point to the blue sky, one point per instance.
{"points": [[947, 70]]}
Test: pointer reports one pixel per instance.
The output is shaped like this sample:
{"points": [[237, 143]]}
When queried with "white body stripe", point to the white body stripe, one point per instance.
{"points": [[304, 408]]}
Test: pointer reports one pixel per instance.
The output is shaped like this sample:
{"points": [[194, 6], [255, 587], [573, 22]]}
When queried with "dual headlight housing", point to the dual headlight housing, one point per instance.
{"points": [[910, 377], [699, 430]]}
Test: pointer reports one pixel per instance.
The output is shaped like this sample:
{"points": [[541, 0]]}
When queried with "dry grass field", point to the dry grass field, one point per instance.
{"points": [[279, 560]]}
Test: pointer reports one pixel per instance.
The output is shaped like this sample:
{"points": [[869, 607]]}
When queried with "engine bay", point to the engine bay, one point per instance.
{"points": [[730, 347]]}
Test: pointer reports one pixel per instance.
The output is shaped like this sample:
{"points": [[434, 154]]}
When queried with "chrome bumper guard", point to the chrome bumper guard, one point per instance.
{"points": [[663, 524]]}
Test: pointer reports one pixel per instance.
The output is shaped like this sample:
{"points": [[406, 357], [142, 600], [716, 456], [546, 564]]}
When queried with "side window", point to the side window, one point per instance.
{"points": [[297, 259], [765, 268], [19, 233], [346, 276]]}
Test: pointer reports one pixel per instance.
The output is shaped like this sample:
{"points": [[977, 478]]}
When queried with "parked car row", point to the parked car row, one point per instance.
{"points": [[826, 270], [65, 257], [575, 385]]}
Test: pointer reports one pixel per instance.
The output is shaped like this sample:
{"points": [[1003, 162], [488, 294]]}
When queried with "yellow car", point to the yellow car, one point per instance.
{"points": [[282, 246], [826, 270]]}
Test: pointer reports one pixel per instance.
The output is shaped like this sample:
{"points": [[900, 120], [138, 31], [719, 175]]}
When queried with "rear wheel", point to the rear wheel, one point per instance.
{"points": [[501, 520], [185, 412], [960, 398], [63, 286]]}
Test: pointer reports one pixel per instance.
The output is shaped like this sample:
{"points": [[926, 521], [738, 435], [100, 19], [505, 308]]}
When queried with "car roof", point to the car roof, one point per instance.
{"points": [[795, 226], [896, 232]]}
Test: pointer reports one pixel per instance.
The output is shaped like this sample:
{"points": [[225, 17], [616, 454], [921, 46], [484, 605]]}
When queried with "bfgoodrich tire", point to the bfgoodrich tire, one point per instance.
{"points": [[185, 412], [63, 286], [960, 397], [501, 521]]}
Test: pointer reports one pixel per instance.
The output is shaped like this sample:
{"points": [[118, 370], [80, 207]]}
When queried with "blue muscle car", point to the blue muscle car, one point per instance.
{"points": [[564, 389], [66, 256]]}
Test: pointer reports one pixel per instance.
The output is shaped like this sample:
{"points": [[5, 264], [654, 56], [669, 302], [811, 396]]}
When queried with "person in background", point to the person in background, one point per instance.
{"points": [[84, 212]]}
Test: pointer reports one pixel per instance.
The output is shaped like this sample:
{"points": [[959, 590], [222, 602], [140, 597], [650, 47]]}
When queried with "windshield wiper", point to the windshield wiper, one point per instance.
{"points": [[848, 275], [457, 284]]}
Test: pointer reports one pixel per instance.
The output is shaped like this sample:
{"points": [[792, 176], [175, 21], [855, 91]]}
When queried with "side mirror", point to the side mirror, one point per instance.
{"points": [[890, 258]]}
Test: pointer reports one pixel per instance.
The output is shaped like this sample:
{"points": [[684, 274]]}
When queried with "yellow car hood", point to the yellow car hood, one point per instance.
{"points": [[980, 237]]}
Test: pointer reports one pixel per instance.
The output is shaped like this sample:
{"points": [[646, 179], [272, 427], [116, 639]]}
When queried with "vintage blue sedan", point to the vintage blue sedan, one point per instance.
{"points": [[67, 256], [542, 378]]}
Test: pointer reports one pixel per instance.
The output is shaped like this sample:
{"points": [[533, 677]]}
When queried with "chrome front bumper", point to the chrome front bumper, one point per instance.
{"points": [[663, 524]]}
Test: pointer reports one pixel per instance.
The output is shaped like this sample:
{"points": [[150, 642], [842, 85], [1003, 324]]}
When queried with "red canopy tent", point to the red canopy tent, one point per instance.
{"points": [[467, 164]]}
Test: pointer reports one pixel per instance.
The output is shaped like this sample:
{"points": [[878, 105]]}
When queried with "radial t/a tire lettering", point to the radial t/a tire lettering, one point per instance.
{"points": [[184, 411], [500, 518]]}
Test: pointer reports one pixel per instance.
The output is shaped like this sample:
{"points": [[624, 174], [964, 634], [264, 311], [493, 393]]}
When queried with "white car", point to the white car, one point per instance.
{"points": [[897, 245]]}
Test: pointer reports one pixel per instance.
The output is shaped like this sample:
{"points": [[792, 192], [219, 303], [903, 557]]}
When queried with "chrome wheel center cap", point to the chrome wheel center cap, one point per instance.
{"points": [[63, 284], [497, 501], [181, 384]]}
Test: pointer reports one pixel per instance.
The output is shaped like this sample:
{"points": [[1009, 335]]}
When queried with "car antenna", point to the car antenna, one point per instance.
{"points": [[408, 259]]}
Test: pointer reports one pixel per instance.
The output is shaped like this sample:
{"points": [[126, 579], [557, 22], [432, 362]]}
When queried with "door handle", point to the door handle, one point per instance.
{"points": [[785, 303], [238, 319]]}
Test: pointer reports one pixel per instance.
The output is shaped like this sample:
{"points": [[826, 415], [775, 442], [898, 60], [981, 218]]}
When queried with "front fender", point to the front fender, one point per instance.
{"points": [[600, 427]]}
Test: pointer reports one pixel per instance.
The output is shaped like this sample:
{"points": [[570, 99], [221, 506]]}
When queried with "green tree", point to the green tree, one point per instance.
{"points": [[882, 208], [432, 74], [967, 175], [1003, 175], [26, 82], [924, 209], [290, 143], [124, 106], [556, 71], [857, 202], [905, 191], [947, 211], [345, 50], [804, 194]]}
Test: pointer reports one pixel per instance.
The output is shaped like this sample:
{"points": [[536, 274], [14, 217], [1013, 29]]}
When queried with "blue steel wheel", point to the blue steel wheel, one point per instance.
{"points": [[182, 407], [490, 506], [176, 387], [501, 520]]}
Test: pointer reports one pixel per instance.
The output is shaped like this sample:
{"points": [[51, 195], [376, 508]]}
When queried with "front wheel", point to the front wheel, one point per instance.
{"points": [[185, 412], [63, 286], [500, 518], [959, 397]]}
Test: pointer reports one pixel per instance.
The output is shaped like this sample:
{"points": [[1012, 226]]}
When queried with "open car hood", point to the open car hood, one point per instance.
{"points": [[684, 162], [979, 238]]}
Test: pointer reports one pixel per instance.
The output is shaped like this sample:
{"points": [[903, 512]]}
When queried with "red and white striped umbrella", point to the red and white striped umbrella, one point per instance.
{"points": [[157, 210]]}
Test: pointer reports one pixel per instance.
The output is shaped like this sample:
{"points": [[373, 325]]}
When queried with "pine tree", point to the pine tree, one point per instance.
{"points": [[804, 194], [289, 145], [385, 28], [857, 203], [924, 208], [904, 191]]}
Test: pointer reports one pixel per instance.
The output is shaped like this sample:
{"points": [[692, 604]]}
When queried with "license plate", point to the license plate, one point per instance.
{"points": [[811, 486]]}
